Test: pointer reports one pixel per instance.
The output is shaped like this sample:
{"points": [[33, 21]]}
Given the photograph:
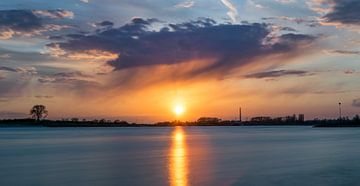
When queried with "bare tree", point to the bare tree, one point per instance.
{"points": [[38, 112]]}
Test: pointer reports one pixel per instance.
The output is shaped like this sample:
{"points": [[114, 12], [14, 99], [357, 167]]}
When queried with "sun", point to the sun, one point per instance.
{"points": [[179, 110]]}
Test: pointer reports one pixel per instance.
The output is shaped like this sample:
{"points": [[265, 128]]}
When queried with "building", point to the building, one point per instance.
{"points": [[261, 119], [301, 118], [208, 120], [290, 118]]}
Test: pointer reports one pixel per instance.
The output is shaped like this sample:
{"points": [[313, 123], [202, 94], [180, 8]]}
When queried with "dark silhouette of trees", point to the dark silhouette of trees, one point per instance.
{"points": [[38, 112], [356, 118], [75, 119]]}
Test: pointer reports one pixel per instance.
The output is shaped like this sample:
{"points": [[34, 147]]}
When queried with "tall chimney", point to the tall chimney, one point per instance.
{"points": [[240, 114]]}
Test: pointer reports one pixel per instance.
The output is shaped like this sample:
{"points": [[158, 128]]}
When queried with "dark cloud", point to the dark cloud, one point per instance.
{"points": [[80, 83], [7, 69], [69, 78], [350, 71], [346, 52], [307, 22], [20, 70], [63, 75], [20, 20], [56, 37], [28, 22], [289, 29], [71, 74], [104, 24], [302, 90], [356, 102], [139, 45], [295, 39], [345, 12], [277, 73]]}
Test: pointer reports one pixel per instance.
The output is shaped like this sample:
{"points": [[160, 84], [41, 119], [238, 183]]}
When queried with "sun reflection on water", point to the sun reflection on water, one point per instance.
{"points": [[178, 159]]}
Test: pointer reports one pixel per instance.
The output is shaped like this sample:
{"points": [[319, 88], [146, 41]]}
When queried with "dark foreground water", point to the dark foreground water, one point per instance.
{"points": [[180, 156]]}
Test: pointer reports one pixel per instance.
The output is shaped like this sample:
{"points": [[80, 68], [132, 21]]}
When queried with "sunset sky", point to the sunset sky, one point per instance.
{"points": [[138, 60]]}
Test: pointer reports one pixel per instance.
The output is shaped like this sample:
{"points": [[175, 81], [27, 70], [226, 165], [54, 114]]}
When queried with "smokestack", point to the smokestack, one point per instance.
{"points": [[340, 110], [240, 114]]}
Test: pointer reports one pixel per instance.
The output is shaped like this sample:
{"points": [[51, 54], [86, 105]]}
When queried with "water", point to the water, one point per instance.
{"points": [[180, 156]]}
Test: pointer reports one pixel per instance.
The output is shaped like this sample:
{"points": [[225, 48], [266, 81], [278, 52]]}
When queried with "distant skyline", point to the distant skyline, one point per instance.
{"points": [[154, 60]]}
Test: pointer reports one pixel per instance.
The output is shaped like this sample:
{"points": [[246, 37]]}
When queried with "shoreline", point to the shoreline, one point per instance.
{"points": [[72, 125], [118, 123]]}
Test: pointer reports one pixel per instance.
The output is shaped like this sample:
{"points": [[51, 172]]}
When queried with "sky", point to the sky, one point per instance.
{"points": [[138, 60]]}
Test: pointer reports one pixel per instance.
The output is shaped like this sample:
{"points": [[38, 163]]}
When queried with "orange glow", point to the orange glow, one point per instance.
{"points": [[178, 169], [155, 103]]}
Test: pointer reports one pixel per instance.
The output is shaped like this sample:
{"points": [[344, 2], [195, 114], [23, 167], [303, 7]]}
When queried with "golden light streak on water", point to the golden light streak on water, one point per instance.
{"points": [[178, 159]]}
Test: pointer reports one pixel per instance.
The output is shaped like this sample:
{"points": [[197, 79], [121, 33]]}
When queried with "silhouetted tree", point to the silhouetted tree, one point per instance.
{"points": [[38, 112], [75, 119], [356, 118]]}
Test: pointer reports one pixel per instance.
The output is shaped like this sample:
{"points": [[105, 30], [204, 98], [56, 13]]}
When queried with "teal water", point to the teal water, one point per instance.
{"points": [[180, 156]]}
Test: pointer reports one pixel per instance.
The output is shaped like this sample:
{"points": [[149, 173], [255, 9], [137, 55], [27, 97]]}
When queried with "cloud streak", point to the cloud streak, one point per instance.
{"points": [[286, 1], [356, 102], [232, 13], [307, 22], [277, 73], [186, 4], [20, 70], [345, 52], [77, 79], [54, 14]]}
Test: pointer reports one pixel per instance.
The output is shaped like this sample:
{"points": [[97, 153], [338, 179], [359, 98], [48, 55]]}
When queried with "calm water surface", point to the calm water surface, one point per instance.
{"points": [[180, 156]]}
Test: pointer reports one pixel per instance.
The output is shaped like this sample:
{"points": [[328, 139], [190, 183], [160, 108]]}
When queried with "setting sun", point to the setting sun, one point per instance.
{"points": [[179, 110]]}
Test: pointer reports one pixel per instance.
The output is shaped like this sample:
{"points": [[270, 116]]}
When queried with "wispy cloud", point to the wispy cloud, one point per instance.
{"points": [[307, 22], [356, 102], [20, 70], [69, 78], [54, 14], [186, 4], [232, 13], [286, 1], [255, 4], [344, 52], [320, 6], [277, 73]]}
